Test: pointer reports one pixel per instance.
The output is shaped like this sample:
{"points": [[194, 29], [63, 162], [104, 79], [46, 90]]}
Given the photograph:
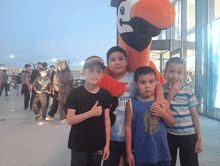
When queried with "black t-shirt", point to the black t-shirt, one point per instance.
{"points": [[18, 79], [34, 75], [88, 135], [52, 76]]}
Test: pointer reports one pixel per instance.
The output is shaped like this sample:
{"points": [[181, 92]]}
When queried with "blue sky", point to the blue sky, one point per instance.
{"points": [[41, 30]]}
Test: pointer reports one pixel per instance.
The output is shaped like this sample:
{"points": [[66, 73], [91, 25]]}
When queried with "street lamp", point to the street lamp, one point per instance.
{"points": [[82, 63], [54, 59]]}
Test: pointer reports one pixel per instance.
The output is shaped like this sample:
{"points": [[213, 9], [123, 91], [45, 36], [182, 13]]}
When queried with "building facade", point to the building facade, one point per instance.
{"points": [[194, 37]]}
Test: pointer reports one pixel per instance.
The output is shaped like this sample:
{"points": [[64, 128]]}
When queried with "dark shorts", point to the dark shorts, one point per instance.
{"points": [[160, 163], [186, 145], [117, 149], [85, 158]]}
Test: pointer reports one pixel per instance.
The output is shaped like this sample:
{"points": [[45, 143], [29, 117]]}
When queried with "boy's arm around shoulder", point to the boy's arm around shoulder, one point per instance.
{"points": [[128, 132], [195, 119], [158, 95], [170, 121], [164, 112]]}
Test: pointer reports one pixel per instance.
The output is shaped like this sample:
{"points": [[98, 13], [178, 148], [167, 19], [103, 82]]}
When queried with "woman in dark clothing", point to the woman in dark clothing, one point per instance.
{"points": [[66, 84]]}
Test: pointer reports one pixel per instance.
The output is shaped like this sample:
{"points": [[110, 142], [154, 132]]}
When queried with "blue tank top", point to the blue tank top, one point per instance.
{"points": [[150, 136]]}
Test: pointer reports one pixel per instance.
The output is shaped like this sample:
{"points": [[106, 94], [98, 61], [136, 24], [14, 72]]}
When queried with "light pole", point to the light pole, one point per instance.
{"points": [[32, 64]]}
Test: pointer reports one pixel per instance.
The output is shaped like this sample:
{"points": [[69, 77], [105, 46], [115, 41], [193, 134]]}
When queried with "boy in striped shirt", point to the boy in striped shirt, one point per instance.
{"points": [[186, 134]]}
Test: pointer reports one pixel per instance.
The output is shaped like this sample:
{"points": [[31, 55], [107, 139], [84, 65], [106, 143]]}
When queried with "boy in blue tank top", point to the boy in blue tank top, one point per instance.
{"points": [[149, 135]]}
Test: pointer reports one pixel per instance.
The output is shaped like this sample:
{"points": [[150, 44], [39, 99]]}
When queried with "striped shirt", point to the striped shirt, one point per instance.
{"points": [[180, 108]]}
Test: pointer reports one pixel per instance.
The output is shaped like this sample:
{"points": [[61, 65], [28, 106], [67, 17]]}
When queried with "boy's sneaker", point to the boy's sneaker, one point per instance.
{"points": [[49, 118], [62, 121], [38, 116]]}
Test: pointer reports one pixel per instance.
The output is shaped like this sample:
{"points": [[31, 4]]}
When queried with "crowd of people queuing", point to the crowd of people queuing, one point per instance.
{"points": [[151, 120], [39, 85]]}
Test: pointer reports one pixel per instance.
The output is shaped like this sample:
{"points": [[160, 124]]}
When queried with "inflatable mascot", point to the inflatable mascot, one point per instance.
{"points": [[138, 21]]}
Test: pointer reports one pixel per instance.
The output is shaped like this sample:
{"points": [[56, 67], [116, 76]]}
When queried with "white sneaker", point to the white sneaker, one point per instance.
{"points": [[62, 121], [49, 118]]}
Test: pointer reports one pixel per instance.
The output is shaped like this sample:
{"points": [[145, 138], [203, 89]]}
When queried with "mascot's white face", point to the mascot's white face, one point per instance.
{"points": [[124, 15]]}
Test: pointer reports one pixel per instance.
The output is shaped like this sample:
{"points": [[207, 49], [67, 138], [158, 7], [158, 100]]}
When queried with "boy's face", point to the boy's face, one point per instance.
{"points": [[52, 68], [146, 85], [39, 66], [28, 68], [175, 73], [117, 62], [93, 74]]}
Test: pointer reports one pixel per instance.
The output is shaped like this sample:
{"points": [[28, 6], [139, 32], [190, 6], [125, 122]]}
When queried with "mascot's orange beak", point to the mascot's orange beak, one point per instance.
{"points": [[159, 13]]}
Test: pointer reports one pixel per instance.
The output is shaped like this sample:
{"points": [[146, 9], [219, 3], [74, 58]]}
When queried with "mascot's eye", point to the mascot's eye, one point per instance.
{"points": [[122, 10]]}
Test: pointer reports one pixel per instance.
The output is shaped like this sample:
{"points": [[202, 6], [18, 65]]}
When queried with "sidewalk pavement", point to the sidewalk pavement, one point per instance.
{"points": [[25, 142]]}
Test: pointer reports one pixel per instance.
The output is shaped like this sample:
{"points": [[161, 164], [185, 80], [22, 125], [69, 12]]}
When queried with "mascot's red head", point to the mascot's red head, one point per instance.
{"points": [[138, 21]]}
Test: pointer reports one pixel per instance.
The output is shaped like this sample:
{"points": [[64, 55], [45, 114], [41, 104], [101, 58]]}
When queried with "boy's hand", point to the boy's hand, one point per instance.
{"points": [[106, 153], [130, 159], [199, 147], [96, 110], [158, 111], [156, 104], [174, 89]]}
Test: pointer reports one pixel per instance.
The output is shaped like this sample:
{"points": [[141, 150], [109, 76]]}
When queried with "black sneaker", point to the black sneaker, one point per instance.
{"points": [[38, 116]]}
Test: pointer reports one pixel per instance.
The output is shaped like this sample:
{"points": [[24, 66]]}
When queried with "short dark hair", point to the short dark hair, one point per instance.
{"points": [[52, 66], [27, 65], [144, 70], [38, 63], [176, 60], [115, 49], [44, 64], [4, 71]]}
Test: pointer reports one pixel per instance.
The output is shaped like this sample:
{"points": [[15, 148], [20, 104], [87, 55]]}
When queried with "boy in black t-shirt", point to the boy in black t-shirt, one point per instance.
{"points": [[88, 113], [43, 86]]}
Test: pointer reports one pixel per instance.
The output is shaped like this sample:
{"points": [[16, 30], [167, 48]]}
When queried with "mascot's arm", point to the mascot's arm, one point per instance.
{"points": [[115, 88], [160, 78]]}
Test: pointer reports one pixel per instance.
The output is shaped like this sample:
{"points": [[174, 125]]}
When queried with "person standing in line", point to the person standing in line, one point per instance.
{"points": [[34, 75], [44, 65], [42, 85], [66, 84], [52, 70], [0, 83], [88, 114], [4, 84], [18, 82], [14, 80], [26, 86], [56, 85]]}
